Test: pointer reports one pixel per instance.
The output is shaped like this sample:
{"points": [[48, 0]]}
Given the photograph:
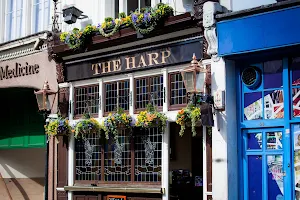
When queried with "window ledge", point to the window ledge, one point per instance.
{"points": [[119, 189]]}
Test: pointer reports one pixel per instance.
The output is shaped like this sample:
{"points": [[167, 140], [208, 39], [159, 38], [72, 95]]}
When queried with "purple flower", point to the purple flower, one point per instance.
{"points": [[146, 17], [134, 18], [99, 25]]}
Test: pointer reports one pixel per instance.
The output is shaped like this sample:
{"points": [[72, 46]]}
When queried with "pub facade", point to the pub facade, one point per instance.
{"points": [[128, 71]]}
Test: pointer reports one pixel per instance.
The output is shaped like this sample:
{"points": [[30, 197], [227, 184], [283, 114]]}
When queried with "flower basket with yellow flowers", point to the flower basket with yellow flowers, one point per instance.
{"points": [[189, 116], [114, 122], [87, 126], [151, 118], [78, 38], [58, 127]]}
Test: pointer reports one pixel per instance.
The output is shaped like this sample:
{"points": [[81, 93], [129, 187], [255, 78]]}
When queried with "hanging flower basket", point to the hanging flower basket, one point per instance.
{"points": [[58, 127], [151, 118], [147, 19], [86, 126], [189, 117], [114, 122]]}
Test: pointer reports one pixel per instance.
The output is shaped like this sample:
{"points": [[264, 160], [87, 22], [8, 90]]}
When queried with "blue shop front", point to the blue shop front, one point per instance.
{"points": [[264, 44]]}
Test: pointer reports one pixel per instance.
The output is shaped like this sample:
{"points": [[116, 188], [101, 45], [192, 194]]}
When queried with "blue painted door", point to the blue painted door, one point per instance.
{"points": [[263, 163]]}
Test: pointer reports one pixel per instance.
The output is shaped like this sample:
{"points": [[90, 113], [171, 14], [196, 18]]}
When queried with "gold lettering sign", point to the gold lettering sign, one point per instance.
{"points": [[19, 70], [128, 63]]}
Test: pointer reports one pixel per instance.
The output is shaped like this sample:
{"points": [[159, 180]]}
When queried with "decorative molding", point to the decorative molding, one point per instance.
{"points": [[60, 73], [22, 53], [198, 10], [210, 9]]}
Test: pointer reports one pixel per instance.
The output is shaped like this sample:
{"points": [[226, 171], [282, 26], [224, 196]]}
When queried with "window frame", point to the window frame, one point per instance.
{"points": [[148, 78], [105, 113], [35, 15], [78, 116], [132, 164], [175, 106]]}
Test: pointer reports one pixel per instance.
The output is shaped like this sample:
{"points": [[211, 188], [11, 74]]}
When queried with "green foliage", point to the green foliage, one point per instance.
{"points": [[151, 118], [116, 121], [87, 126], [189, 115], [122, 15], [59, 126]]}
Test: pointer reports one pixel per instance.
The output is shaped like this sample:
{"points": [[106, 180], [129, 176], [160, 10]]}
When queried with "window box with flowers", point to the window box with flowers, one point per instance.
{"points": [[115, 122], [151, 118], [87, 126], [190, 117]]}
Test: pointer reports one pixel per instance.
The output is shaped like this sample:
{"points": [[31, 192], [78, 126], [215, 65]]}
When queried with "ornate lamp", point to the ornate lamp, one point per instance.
{"points": [[43, 100], [193, 77]]}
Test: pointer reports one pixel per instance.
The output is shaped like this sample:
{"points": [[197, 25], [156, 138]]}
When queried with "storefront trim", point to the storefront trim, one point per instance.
{"points": [[113, 188]]}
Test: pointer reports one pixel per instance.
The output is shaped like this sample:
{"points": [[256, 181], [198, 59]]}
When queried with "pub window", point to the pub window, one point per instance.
{"points": [[149, 90], [124, 159], [86, 100], [88, 158], [178, 97], [116, 96]]}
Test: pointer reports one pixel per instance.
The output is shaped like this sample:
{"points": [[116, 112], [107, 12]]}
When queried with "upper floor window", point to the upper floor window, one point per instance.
{"points": [[130, 6], [149, 90], [86, 100], [178, 97], [117, 96], [40, 15], [14, 19]]}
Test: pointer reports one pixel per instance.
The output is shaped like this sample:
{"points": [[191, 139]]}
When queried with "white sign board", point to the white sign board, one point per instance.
{"points": [[219, 100]]}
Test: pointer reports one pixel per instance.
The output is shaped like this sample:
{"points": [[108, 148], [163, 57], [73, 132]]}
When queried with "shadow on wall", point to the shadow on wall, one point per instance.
{"points": [[23, 173]]}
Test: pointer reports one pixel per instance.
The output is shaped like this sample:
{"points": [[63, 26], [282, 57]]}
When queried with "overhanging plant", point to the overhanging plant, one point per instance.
{"points": [[146, 19], [189, 116], [109, 27], [58, 127], [115, 122], [151, 118], [78, 38], [86, 126]]}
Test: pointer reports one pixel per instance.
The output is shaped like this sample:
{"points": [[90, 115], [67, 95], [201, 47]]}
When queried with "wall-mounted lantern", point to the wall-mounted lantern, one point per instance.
{"points": [[71, 14], [43, 97]]}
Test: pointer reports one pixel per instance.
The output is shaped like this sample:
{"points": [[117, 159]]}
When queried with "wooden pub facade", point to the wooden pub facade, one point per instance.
{"points": [[129, 70]]}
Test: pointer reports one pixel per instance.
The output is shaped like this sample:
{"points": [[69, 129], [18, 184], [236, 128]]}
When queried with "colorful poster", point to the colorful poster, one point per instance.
{"points": [[297, 160]]}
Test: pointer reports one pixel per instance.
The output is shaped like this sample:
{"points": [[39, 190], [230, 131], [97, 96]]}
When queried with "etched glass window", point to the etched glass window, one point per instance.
{"points": [[88, 158], [117, 96], [86, 100], [148, 154], [149, 90], [117, 159]]}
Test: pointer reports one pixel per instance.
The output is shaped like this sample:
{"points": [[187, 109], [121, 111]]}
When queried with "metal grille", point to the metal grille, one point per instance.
{"points": [[178, 91], [87, 100], [88, 158], [149, 89], [157, 94], [148, 155], [249, 76], [117, 95], [117, 160]]}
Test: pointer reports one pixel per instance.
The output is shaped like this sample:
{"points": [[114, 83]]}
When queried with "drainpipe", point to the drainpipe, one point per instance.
{"points": [[46, 158]]}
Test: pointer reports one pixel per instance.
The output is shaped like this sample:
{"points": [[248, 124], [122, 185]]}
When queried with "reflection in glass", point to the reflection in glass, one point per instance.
{"points": [[274, 140], [273, 74], [254, 141], [296, 102], [253, 106], [254, 177], [297, 160], [273, 103], [295, 71], [275, 177]]}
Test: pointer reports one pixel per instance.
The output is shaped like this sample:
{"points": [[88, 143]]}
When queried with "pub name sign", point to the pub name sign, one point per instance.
{"points": [[18, 70], [176, 54]]}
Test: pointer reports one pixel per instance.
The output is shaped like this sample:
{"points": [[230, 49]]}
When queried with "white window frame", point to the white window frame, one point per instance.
{"points": [[35, 15], [123, 5]]}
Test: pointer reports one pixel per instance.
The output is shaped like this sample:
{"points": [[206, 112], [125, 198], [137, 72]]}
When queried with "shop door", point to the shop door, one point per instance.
{"points": [[263, 164]]}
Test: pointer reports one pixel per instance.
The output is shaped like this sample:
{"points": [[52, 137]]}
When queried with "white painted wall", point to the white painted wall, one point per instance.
{"points": [[22, 163], [224, 134], [236, 5]]}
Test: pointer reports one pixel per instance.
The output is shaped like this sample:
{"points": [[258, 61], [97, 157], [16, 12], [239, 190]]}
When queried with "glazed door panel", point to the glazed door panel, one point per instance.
{"points": [[263, 164]]}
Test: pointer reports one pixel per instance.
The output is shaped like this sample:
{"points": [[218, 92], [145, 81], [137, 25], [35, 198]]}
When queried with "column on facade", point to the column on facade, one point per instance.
{"points": [[166, 140], [71, 144]]}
